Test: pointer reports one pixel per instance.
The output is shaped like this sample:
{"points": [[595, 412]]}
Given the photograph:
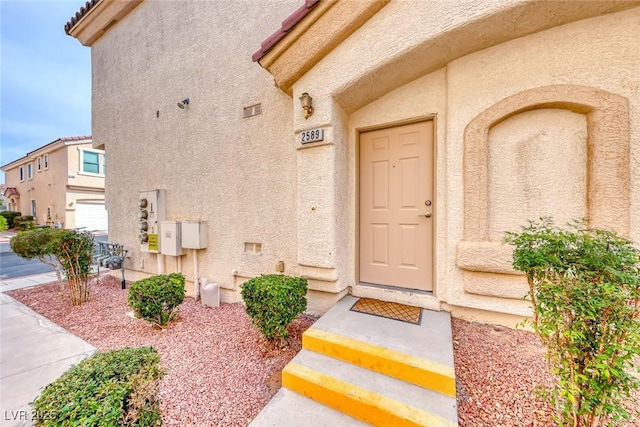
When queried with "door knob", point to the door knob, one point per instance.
{"points": [[426, 215]]}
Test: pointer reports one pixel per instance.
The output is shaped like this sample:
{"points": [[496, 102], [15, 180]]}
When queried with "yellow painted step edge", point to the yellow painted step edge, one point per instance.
{"points": [[415, 370], [355, 401]]}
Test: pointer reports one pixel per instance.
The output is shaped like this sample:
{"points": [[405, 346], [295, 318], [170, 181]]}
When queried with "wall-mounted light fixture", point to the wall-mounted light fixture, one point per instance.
{"points": [[307, 106], [184, 103]]}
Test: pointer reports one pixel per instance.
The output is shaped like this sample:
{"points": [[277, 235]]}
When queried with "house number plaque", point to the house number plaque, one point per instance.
{"points": [[311, 135]]}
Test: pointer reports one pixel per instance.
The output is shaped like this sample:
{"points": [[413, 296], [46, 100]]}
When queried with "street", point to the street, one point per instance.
{"points": [[11, 265]]}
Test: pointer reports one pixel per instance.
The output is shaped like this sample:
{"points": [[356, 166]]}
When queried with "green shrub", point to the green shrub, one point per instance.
{"points": [[3, 223], [116, 388], [23, 222], [273, 301], [584, 285], [157, 298], [10, 216]]}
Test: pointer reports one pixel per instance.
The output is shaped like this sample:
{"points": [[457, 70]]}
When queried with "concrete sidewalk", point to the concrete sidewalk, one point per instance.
{"points": [[27, 281], [34, 352]]}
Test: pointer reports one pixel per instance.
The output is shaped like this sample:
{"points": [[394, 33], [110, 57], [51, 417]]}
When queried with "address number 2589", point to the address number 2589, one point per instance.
{"points": [[312, 135]]}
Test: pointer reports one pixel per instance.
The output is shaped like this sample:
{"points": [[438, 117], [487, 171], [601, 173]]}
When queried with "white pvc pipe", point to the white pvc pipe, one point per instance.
{"points": [[160, 258], [196, 274], [179, 264]]}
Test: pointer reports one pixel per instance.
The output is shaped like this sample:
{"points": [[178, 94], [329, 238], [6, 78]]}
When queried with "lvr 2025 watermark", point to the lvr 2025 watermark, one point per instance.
{"points": [[29, 415]]}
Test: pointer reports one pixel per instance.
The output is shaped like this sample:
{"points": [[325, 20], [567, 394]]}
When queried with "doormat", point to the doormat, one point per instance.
{"points": [[390, 310]]}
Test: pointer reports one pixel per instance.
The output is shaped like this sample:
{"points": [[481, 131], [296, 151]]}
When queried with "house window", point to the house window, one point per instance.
{"points": [[39, 161], [92, 162], [21, 173], [46, 161], [33, 209], [30, 171]]}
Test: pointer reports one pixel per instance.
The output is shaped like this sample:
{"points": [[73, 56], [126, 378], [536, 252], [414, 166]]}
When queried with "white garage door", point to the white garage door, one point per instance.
{"points": [[91, 216]]}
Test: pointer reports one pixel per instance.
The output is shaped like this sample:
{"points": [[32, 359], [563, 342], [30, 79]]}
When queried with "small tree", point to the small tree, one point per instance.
{"points": [[584, 286], [40, 243], [74, 251]]}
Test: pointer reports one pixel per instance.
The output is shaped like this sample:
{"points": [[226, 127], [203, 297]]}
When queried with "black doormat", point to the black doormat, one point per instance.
{"points": [[389, 310]]}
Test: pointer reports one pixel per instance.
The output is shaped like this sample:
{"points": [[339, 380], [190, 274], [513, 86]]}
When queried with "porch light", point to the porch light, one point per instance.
{"points": [[306, 102]]}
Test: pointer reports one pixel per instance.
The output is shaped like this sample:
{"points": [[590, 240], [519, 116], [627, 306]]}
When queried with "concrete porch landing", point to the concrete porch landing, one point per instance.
{"points": [[358, 369]]}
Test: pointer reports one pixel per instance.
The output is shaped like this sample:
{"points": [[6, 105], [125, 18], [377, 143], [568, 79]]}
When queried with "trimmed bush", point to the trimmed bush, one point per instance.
{"points": [[273, 301], [3, 223], [116, 388], [157, 298], [10, 216], [23, 222]]}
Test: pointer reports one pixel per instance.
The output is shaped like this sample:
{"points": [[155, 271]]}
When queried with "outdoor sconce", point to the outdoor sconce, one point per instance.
{"points": [[183, 104], [306, 102]]}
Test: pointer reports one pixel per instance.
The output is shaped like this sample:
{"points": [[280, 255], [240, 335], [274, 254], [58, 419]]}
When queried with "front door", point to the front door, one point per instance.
{"points": [[397, 206]]}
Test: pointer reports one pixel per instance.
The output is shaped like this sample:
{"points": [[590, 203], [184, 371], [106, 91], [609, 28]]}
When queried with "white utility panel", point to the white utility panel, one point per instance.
{"points": [[170, 241]]}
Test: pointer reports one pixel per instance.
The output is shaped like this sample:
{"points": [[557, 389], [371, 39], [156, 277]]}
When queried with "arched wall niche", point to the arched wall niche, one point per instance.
{"points": [[607, 168]]}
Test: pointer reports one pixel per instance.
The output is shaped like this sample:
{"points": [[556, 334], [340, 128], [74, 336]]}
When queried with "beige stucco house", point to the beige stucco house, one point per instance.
{"points": [[433, 128], [59, 184]]}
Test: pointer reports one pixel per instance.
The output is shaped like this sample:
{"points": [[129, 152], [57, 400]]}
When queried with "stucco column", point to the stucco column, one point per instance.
{"points": [[322, 189]]}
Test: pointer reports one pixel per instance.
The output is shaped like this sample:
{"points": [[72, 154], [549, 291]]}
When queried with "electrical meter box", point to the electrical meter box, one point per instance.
{"points": [[194, 234], [151, 212], [170, 238]]}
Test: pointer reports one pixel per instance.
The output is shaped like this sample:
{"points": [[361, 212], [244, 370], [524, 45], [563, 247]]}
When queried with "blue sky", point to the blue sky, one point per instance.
{"points": [[45, 77]]}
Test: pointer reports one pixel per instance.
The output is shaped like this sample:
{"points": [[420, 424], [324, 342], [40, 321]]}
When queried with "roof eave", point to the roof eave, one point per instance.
{"points": [[95, 21], [290, 54]]}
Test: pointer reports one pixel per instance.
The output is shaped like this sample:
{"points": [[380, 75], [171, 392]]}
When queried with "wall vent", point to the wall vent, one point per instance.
{"points": [[252, 110], [252, 248]]}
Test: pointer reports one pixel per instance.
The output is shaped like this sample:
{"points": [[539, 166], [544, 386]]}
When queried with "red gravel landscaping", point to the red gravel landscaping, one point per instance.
{"points": [[221, 373]]}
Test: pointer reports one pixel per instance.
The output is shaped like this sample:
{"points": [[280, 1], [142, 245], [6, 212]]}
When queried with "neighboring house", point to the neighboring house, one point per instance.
{"points": [[61, 184], [3, 199], [436, 127]]}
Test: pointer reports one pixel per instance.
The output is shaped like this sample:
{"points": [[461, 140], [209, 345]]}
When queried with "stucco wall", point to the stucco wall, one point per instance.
{"points": [[598, 53], [254, 183], [237, 174]]}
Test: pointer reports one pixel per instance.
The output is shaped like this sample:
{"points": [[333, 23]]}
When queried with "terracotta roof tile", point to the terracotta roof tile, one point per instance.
{"points": [[285, 27], [79, 15], [11, 191], [73, 138]]}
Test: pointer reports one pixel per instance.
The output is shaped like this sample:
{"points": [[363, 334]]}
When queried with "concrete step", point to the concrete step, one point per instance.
{"points": [[290, 409], [414, 370], [431, 340], [377, 370], [366, 395]]}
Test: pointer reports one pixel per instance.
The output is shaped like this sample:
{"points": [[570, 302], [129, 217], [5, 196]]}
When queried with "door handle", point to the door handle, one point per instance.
{"points": [[426, 215]]}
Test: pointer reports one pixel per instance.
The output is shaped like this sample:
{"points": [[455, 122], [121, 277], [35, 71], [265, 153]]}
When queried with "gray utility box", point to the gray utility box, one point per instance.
{"points": [[194, 234]]}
